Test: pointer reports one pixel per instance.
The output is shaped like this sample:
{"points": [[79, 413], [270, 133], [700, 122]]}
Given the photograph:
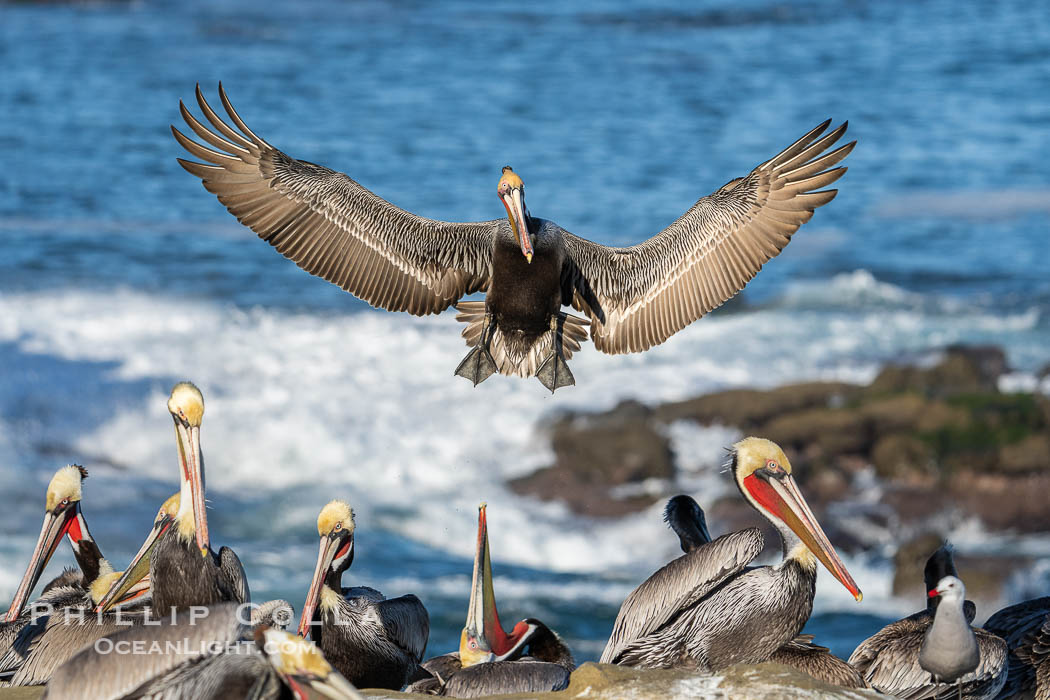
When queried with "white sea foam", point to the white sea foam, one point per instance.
{"points": [[364, 406]]}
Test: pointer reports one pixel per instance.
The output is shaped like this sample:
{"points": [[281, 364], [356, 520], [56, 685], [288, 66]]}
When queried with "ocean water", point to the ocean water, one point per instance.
{"points": [[120, 275]]}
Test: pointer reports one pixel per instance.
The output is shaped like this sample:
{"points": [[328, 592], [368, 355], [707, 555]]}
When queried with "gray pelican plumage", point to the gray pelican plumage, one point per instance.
{"points": [[184, 570], [532, 658], [1026, 628], [24, 634], [635, 297], [889, 660], [373, 641], [707, 609], [686, 518], [213, 656]]}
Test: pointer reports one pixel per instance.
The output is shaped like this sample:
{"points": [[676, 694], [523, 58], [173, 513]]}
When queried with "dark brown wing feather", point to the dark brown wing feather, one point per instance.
{"points": [[1026, 629], [333, 227], [641, 295]]}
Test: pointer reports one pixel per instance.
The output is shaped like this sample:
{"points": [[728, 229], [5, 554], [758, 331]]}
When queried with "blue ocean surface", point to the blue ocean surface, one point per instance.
{"points": [[120, 275]]}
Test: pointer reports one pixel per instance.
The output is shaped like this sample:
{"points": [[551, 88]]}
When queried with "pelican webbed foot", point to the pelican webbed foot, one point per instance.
{"points": [[478, 365], [554, 373]]}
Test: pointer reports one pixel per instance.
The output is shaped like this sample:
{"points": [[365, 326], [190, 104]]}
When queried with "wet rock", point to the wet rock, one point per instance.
{"points": [[909, 563], [904, 457], [596, 454], [756, 682], [963, 369], [748, 409]]}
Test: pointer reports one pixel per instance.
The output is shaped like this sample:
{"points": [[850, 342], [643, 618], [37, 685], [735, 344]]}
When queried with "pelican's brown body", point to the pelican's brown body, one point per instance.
{"points": [[524, 296]]}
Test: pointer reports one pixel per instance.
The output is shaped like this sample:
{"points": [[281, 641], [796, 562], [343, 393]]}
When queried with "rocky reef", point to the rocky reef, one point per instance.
{"points": [[756, 682], [940, 443], [604, 682]]}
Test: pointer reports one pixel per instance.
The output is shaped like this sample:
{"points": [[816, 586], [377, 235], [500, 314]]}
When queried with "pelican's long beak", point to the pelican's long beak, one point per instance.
{"points": [[130, 585], [781, 497], [331, 548], [483, 638], [514, 201], [191, 462], [70, 521]]}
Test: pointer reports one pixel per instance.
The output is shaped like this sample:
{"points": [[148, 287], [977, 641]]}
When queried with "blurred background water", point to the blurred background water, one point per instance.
{"points": [[119, 275]]}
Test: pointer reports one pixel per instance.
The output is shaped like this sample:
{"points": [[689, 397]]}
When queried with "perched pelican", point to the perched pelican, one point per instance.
{"points": [[635, 297], [707, 609], [685, 516], [890, 660], [201, 657], [183, 569], [24, 628], [531, 659], [51, 639], [375, 642], [1026, 628]]}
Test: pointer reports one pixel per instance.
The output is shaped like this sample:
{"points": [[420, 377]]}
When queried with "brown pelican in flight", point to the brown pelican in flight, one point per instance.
{"points": [[374, 642], [184, 570], [685, 516], [890, 660], [635, 297], [26, 632], [532, 658], [707, 609], [210, 657], [1026, 628]]}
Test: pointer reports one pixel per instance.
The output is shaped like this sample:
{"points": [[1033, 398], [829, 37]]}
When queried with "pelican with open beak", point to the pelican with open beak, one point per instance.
{"points": [[183, 568], [708, 609], [532, 658], [138, 571]]}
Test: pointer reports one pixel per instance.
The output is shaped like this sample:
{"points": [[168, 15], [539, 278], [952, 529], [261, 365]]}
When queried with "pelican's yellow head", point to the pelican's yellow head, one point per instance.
{"points": [[337, 516], [511, 191], [65, 486], [170, 507], [106, 578], [763, 473], [509, 180], [291, 654], [186, 404], [754, 453]]}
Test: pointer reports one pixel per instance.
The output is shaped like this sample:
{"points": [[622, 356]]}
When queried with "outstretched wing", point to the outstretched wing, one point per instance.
{"points": [[333, 227], [641, 295], [679, 585]]}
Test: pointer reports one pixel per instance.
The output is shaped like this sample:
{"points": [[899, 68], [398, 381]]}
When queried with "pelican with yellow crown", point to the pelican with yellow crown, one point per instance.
{"points": [[634, 297], [35, 640], [531, 658], [373, 641], [184, 570], [62, 517], [709, 609]]}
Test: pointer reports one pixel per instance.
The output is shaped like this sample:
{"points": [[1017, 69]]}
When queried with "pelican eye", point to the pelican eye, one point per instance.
{"points": [[772, 465], [338, 526]]}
